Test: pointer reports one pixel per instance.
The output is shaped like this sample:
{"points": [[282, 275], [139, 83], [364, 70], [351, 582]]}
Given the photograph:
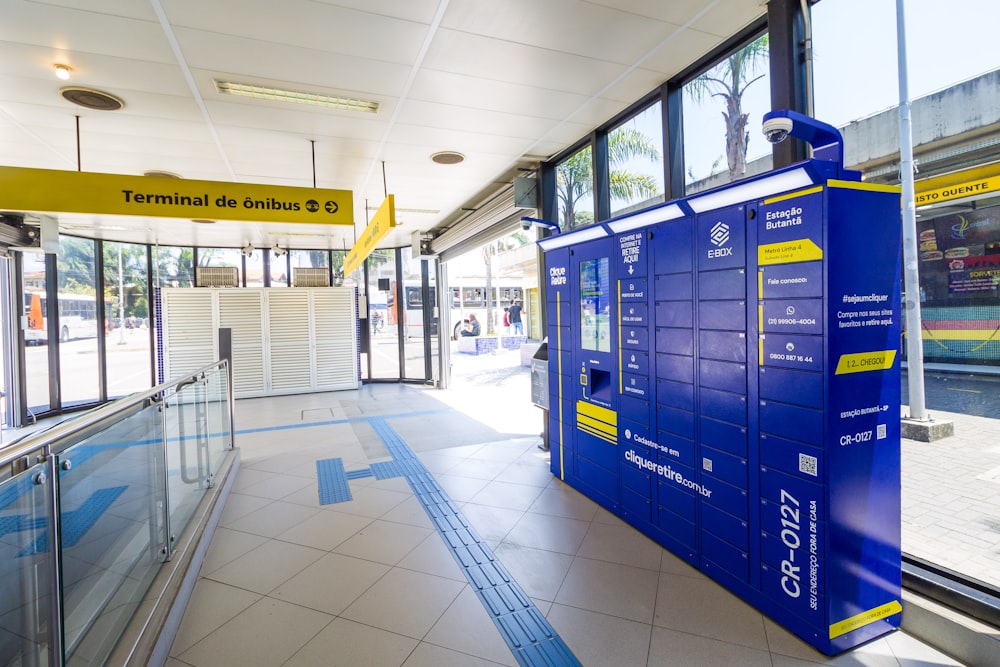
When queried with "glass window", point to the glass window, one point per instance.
{"points": [[950, 513], [126, 293], [383, 319], [35, 280], [575, 189], [230, 257], [173, 267], [722, 111], [254, 263], [78, 322], [635, 161]]}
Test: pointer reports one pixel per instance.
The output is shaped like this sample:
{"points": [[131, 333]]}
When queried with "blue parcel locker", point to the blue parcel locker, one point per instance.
{"points": [[748, 368]]}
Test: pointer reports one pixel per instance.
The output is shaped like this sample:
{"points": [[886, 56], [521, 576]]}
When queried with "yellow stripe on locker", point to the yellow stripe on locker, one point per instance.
{"points": [[793, 195], [589, 422], [597, 412]]}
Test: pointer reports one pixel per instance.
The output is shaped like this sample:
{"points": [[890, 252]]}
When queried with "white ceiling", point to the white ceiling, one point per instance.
{"points": [[507, 83]]}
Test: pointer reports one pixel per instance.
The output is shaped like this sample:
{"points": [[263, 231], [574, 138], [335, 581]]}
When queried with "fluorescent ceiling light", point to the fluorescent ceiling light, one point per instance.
{"points": [[662, 214], [752, 190], [279, 95], [569, 238]]}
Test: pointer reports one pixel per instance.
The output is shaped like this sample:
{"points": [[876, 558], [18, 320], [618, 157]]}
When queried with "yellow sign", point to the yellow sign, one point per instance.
{"points": [[597, 421], [957, 191], [785, 252], [383, 220], [860, 362], [55, 191], [865, 618]]}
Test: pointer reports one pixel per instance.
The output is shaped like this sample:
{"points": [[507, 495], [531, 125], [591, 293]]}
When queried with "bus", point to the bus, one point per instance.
{"points": [[413, 312], [472, 299], [77, 317]]}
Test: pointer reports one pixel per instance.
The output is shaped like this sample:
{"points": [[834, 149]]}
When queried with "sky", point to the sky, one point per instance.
{"points": [[855, 65]]}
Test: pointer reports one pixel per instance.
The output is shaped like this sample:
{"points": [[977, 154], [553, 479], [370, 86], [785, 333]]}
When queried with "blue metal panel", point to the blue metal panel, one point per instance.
{"points": [[723, 375], [675, 394], [679, 501], [723, 345], [725, 555], [727, 497], [675, 367], [674, 341], [635, 338], [674, 314], [636, 386], [634, 313], [672, 245], [633, 289], [726, 315], [729, 527], [722, 239], [798, 387], [636, 361], [800, 279], [724, 405], [728, 284], [795, 458], [674, 287], [803, 353], [675, 448], [677, 526], [672, 420], [800, 316], [725, 436], [634, 409], [792, 421], [725, 466]]}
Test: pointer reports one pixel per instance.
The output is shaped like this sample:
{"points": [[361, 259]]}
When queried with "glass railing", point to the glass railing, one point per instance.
{"points": [[91, 509]]}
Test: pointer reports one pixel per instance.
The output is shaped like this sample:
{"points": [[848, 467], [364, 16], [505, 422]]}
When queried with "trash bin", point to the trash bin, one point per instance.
{"points": [[540, 387]]}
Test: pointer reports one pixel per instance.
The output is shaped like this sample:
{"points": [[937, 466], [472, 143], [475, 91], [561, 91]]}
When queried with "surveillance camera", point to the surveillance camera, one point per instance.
{"points": [[777, 129], [279, 252], [525, 224], [248, 249]]}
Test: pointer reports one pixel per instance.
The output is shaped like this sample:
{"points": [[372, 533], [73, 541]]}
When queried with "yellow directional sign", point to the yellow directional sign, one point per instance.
{"points": [[54, 191], [383, 220]]}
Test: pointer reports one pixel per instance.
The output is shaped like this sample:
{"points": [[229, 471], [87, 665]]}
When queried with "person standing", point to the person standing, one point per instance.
{"points": [[514, 314]]}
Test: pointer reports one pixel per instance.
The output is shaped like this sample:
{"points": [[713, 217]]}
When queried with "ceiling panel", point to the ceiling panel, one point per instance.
{"points": [[505, 83]]}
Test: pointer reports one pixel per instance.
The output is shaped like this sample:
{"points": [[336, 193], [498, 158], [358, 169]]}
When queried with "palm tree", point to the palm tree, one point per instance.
{"points": [[730, 80], [574, 176]]}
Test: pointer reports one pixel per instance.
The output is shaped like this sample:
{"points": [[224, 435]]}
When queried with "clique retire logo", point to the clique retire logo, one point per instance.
{"points": [[719, 236]]}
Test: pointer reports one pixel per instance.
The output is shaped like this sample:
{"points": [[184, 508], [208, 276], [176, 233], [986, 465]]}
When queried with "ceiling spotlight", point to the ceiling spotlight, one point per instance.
{"points": [[62, 72]]}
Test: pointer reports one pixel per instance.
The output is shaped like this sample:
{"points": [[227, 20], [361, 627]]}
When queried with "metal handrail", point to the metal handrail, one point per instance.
{"points": [[56, 439]]}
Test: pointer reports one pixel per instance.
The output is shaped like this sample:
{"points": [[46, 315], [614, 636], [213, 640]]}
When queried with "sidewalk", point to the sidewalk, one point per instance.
{"points": [[951, 497]]}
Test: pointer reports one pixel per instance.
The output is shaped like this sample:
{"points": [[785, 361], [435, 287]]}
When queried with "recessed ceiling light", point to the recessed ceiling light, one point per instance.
{"points": [[296, 97], [62, 71], [447, 157], [159, 173], [92, 98]]}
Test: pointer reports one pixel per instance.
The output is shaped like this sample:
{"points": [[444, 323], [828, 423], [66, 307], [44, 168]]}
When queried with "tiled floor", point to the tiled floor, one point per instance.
{"points": [[289, 581]]}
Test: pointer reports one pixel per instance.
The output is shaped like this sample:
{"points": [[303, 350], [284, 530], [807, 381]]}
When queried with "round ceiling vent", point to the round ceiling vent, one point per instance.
{"points": [[447, 157], [92, 98], [159, 173]]}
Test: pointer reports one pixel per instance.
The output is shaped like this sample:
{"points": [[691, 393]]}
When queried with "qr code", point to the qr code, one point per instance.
{"points": [[880, 432], [706, 464], [808, 465]]}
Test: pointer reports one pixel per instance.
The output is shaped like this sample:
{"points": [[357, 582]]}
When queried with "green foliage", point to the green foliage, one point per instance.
{"points": [[729, 81], [575, 178]]}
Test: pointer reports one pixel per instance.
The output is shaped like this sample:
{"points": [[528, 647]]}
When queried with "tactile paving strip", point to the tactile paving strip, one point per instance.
{"points": [[528, 634], [332, 479]]}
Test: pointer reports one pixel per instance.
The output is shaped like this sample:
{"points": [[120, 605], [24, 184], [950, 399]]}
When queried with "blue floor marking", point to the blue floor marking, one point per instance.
{"points": [[359, 474], [333, 487], [529, 635]]}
